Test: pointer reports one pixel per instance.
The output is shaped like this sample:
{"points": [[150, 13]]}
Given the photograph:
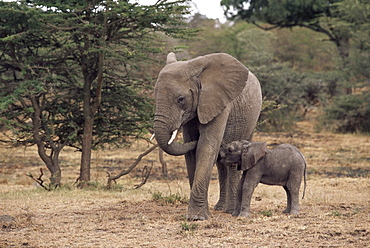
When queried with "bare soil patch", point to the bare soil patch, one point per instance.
{"points": [[334, 213]]}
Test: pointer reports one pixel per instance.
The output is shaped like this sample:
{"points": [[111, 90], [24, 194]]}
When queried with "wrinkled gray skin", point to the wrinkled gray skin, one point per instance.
{"points": [[210, 97], [285, 165]]}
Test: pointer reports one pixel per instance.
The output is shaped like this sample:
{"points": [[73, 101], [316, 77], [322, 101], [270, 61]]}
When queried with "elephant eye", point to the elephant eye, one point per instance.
{"points": [[181, 101]]}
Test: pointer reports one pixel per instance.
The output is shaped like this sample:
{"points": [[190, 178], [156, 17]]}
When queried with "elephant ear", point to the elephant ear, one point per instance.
{"points": [[252, 153], [171, 58], [222, 78]]}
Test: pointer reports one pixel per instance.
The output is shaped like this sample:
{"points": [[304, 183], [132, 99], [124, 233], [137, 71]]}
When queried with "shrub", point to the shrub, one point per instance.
{"points": [[348, 114]]}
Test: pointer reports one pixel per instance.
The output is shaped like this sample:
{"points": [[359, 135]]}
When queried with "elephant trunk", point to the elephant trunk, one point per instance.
{"points": [[165, 139]]}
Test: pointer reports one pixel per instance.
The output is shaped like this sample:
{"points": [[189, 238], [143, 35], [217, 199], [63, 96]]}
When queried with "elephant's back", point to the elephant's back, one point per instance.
{"points": [[244, 112], [289, 153]]}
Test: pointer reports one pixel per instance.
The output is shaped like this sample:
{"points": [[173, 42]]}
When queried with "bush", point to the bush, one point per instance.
{"points": [[289, 94], [172, 199], [348, 114]]}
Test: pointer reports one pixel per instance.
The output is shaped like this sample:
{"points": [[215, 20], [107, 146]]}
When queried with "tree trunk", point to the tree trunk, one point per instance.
{"points": [[51, 161], [52, 165], [86, 151], [343, 46], [89, 109], [87, 134]]}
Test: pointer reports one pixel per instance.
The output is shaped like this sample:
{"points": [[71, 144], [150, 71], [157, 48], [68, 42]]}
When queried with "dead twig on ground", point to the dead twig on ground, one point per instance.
{"points": [[125, 172], [39, 180], [146, 174]]}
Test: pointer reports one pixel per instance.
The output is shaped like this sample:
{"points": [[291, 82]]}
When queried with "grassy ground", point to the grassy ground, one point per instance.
{"points": [[334, 213]]}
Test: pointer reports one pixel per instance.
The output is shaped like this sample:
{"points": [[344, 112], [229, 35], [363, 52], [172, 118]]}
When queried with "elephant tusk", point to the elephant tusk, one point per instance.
{"points": [[174, 134], [152, 137]]}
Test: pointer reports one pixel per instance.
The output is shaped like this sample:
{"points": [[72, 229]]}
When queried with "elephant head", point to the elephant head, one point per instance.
{"points": [[244, 153], [199, 88], [252, 152]]}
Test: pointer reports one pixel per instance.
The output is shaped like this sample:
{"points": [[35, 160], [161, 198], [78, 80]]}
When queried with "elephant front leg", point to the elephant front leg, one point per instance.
{"points": [[239, 193], [207, 149], [222, 179], [249, 184], [198, 204], [233, 176]]}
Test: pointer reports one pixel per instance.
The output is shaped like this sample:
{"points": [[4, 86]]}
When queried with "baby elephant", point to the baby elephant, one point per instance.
{"points": [[285, 165]]}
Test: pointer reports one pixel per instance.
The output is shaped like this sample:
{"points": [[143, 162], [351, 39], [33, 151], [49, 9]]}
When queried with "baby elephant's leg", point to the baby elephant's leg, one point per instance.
{"points": [[294, 200], [250, 182], [289, 200], [239, 193]]}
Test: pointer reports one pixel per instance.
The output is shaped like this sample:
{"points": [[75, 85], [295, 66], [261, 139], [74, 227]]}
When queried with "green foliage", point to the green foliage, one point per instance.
{"points": [[267, 213], [304, 73], [290, 94], [50, 53], [277, 12], [188, 226], [72, 74], [349, 113], [170, 199], [336, 213], [286, 14], [295, 68], [304, 49]]}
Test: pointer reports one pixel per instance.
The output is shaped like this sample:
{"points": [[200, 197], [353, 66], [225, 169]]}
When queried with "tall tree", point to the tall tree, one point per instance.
{"points": [[86, 66], [31, 90], [318, 15], [351, 113]]}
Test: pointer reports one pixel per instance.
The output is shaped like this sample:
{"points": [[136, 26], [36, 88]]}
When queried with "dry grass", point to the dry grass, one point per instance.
{"points": [[334, 213]]}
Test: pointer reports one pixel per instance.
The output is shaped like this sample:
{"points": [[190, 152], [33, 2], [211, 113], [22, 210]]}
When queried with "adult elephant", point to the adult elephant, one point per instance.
{"points": [[215, 100]]}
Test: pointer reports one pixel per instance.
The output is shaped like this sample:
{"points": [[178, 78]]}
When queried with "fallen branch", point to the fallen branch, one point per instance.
{"points": [[146, 174], [39, 180], [125, 172]]}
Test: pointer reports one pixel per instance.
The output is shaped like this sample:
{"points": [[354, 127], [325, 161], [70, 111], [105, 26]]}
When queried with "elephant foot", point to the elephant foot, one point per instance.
{"points": [[219, 207], [286, 211], [229, 211], [202, 214], [235, 213], [294, 212], [291, 211], [244, 215]]}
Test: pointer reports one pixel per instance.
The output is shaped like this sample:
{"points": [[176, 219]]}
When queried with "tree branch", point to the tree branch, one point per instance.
{"points": [[146, 174], [39, 180], [125, 172]]}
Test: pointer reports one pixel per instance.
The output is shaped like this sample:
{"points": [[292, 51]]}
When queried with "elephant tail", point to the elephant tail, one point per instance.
{"points": [[304, 175]]}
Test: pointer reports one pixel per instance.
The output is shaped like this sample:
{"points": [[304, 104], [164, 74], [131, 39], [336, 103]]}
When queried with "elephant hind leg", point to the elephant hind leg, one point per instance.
{"points": [[292, 201], [289, 200]]}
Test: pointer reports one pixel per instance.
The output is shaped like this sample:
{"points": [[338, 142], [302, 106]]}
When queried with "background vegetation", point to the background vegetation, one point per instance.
{"points": [[80, 73], [76, 59]]}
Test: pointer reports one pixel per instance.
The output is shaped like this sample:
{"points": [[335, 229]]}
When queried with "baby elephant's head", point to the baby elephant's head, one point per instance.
{"points": [[244, 153], [231, 153]]}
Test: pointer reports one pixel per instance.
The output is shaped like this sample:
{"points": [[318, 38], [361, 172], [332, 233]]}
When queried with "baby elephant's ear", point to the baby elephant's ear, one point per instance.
{"points": [[252, 153]]}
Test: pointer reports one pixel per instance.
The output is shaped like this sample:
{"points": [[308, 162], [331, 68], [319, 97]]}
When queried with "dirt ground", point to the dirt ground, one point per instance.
{"points": [[334, 213]]}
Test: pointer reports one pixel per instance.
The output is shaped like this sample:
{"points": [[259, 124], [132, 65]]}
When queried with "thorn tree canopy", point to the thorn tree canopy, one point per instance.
{"points": [[70, 72]]}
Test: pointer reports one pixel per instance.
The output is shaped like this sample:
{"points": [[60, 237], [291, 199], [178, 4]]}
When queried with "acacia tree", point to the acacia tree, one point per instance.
{"points": [[31, 88], [82, 76], [351, 113], [345, 23], [318, 15]]}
